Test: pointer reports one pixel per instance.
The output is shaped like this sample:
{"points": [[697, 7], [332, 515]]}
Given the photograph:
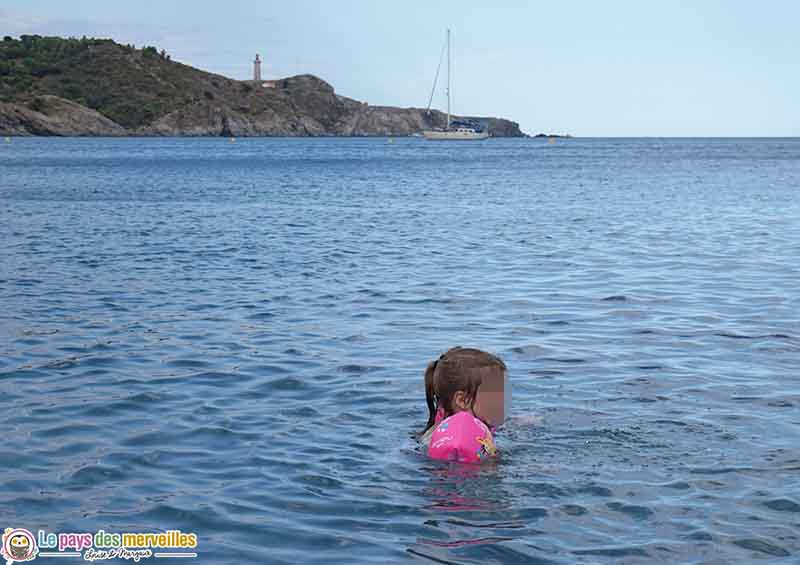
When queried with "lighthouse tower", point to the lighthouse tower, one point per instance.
{"points": [[257, 68]]}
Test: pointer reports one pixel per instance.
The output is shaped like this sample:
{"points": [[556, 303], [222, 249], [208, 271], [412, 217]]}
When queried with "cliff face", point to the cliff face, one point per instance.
{"points": [[302, 106], [98, 87]]}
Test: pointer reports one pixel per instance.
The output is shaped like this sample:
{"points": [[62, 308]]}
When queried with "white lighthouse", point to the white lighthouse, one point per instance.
{"points": [[257, 68]]}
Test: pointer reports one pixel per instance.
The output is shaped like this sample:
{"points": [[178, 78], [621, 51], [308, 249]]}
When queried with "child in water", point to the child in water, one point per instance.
{"points": [[466, 394]]}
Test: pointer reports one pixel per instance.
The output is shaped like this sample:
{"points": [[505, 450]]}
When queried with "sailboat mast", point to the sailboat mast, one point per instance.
{"points": [[448, 78]]}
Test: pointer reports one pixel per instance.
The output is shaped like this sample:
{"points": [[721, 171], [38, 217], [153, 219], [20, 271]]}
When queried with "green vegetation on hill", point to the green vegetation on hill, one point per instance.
{"points": [[131, 86]]}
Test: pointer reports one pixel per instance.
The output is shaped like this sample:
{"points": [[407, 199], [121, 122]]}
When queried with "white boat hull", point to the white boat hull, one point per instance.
{"points": [[456, 135]]}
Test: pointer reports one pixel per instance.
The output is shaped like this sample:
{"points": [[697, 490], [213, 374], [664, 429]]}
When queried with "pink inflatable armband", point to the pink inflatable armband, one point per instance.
{"points": [[463, 438]]}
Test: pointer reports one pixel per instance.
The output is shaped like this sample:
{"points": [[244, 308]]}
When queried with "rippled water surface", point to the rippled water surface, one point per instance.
{"points": [[229, 338]]}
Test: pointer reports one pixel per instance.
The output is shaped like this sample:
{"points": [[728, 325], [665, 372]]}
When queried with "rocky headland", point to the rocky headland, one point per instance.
{"points": [[97, 87]]}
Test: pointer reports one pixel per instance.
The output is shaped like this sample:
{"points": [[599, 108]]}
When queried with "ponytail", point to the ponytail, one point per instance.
{"points": [[430, 394]]}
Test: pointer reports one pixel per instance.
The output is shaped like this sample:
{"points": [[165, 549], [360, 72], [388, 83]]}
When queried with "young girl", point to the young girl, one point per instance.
{"points": [[466, 394]]}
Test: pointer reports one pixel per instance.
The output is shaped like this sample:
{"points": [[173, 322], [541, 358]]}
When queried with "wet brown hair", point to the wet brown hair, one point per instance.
{"points": [[457, 369]]}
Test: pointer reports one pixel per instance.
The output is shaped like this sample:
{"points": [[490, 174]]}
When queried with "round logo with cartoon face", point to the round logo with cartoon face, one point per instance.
{"points": [[19, 545]]}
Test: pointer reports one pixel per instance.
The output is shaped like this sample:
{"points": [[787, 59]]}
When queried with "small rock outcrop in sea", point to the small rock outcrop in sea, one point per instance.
{"points": [[94, 87]]}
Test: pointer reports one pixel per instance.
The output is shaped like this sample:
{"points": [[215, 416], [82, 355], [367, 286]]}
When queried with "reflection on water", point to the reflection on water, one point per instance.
{"points": [[229, 339]]}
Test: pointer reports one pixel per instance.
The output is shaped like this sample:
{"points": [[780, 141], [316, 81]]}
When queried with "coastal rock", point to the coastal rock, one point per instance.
{"points": [[303, 106], [55, 116]]}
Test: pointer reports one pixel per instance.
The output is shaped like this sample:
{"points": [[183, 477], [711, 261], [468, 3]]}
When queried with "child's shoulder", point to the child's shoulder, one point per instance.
{"points": [[462, 419], [461, 437]]}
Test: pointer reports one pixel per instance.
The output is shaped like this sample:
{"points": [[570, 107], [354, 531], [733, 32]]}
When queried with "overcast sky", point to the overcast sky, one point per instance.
{"points": [[611, 68]]}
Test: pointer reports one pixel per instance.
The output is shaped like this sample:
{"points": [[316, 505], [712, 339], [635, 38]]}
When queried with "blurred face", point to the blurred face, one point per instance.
{"points": [[493, 402]]}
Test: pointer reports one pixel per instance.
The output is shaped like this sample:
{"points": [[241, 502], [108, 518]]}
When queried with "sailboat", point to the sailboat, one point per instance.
{"points": [[455, 129]]}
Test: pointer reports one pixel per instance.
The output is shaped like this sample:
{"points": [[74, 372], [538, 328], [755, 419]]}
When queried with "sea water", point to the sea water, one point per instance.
{"points": [[229, 339]]}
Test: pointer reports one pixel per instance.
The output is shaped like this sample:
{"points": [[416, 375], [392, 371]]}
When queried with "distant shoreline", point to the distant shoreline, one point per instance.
{"points": [[89, 87]]}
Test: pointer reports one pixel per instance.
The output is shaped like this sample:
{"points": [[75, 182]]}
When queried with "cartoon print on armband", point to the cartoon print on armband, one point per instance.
{"points": [[487, 446]]}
